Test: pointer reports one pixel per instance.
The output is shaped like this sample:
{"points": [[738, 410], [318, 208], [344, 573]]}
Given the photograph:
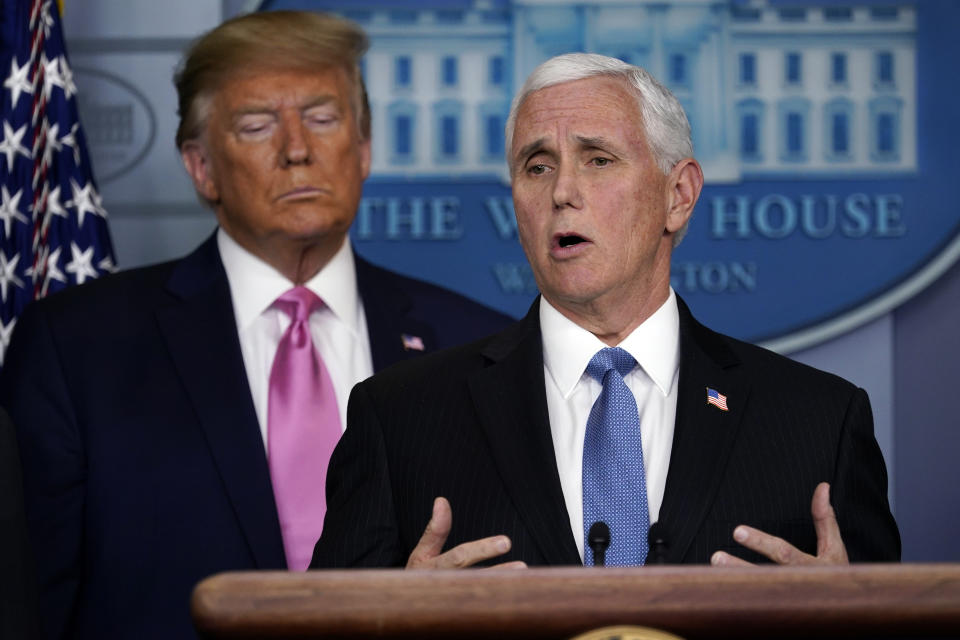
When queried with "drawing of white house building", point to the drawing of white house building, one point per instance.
{"points": [[439, 88], [771, 89], [804, 104]]}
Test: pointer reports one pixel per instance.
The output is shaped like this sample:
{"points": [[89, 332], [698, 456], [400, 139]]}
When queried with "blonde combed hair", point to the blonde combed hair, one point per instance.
{"points": [[281, 40]]}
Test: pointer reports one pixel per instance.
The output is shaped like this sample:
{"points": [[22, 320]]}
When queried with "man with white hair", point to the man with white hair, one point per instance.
{"points": [[608, 407]]}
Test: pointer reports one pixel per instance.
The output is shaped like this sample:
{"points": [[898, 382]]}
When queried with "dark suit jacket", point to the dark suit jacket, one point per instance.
{"points": [[471, 424], [17, 590], [144, 467]]}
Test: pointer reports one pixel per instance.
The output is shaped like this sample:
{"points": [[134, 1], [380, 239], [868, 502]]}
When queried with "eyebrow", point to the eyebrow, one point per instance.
{"points": [[318, 101], [585, 142], [315, 101], [597, 142], [530, 149]]}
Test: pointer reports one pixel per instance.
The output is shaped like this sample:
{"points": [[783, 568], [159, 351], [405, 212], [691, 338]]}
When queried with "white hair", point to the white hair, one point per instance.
{"points": [[665, 124]]}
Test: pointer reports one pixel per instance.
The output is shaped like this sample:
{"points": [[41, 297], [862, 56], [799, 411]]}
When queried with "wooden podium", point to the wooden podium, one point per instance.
{"points": [[691, 602]]}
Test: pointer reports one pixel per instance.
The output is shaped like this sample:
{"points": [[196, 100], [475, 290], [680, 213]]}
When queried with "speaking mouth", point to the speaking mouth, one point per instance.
{"points": [[570, 240]]}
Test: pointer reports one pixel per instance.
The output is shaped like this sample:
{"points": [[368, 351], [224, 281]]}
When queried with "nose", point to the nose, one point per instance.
{"points": [[566, 188], [295, 144]]}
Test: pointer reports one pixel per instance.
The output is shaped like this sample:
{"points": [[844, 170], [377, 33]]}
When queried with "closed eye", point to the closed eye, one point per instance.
{"points": [[321, 115], [254, 124], [321, 120]]}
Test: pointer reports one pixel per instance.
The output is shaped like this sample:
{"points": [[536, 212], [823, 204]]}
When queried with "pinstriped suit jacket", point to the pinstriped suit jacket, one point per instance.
{"points": [[471, 424]]}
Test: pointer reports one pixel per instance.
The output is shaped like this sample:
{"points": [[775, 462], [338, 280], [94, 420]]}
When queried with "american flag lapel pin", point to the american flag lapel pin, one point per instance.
{"points": [[412, 343], [717, 399]]}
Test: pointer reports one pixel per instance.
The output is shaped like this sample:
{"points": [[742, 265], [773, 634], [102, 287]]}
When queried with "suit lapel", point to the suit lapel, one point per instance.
{"points": [[510, 400], [704, 434], [387, 307], [203, 344]]}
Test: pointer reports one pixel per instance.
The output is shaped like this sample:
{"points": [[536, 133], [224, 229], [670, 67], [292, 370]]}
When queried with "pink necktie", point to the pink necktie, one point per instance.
{"points": [[302, 430]]}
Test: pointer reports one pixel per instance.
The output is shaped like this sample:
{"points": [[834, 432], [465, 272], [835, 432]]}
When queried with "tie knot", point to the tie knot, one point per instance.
{"points": [[607, 359], [298, 303]]}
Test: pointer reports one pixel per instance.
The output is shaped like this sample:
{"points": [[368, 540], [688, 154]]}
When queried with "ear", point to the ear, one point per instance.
{"points": [[684, 185], [198, 165]]}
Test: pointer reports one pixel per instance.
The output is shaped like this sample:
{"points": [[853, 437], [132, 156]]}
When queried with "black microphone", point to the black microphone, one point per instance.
{"points": [[657, 544], [599, 540]]}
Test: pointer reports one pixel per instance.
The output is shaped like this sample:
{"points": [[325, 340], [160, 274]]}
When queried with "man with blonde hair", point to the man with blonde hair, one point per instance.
{"points": [[176, 421]]}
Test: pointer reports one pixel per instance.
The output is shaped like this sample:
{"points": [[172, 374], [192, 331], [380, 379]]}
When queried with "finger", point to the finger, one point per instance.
{"points": [[772, 547], [515, 564], [830, 547], [470, 553], [724, 559], [434, 536]]}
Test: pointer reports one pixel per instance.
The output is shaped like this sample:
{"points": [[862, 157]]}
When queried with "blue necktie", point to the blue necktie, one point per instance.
{"points": [[614, 482]]}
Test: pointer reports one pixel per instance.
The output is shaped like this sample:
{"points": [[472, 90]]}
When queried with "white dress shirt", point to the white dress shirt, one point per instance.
{"points": [[571, 392], [339, 329]]}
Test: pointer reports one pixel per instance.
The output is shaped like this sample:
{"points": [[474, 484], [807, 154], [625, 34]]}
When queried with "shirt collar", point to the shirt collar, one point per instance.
{"points": [[255, 285], [568, 347]]}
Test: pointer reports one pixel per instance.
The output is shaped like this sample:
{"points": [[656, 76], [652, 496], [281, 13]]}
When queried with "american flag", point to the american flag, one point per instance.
{"points": [[716, 398], [54, 229], [412, 343]]}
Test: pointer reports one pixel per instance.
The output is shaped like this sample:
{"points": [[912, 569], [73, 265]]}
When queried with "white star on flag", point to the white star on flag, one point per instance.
{"points": [[80, 264], [46, 18], [5, 332], [53, 203], [51, 75], [8, 274], [86, 200], [107, 265], [66, 75], [31, 271], [17, 81], [70, 140], [9, 210], [53, 269], [11, 144], [53, 145]]}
